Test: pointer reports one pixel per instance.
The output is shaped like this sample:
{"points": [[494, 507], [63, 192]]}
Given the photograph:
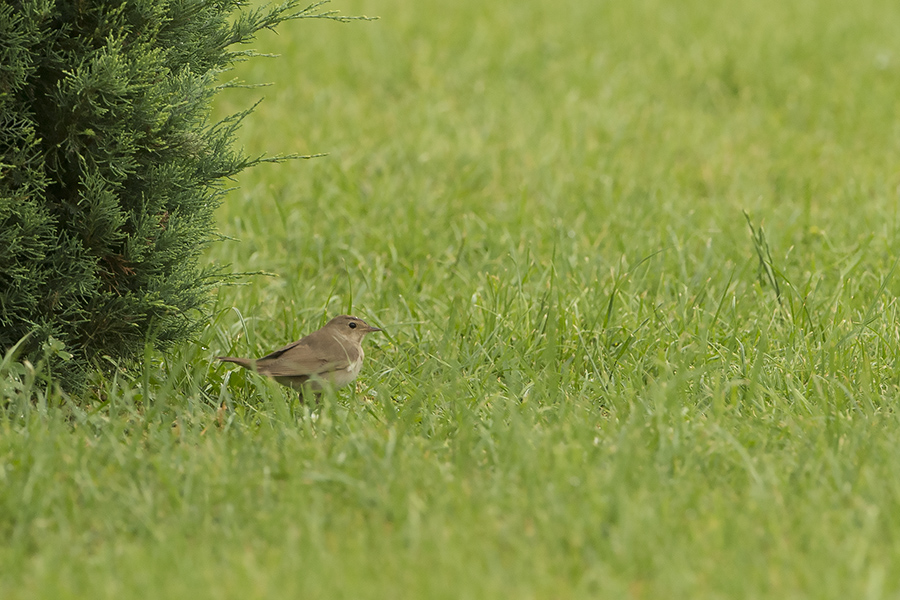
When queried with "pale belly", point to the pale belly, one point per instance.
{"points": [[342, 377], [337, 379]]}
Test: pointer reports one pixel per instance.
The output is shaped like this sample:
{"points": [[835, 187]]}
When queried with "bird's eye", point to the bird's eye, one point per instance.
{"points": [[352, 325]]}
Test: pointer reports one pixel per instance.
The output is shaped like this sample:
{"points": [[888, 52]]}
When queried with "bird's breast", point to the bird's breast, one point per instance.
{"points": [[342, 377]]}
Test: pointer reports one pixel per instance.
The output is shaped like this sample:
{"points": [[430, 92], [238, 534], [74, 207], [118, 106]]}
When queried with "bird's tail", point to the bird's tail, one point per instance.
{"points": [[247, 363]]}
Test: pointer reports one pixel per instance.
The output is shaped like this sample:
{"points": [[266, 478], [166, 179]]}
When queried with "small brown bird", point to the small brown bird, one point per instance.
{"points": [[332, 355]]}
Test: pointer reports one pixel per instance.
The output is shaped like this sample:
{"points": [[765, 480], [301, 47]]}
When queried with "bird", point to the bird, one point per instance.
{"points": [[331, 356]]}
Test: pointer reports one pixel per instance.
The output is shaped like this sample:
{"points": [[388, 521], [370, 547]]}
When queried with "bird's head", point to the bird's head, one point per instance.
{"points": [[350, 327]]}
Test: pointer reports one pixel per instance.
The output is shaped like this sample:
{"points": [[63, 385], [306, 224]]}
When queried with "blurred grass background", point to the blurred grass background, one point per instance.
{"points": [[588, 386]]}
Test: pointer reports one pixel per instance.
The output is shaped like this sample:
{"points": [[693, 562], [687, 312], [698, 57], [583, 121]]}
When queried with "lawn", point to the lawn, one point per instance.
{"points": [[635, 263]]}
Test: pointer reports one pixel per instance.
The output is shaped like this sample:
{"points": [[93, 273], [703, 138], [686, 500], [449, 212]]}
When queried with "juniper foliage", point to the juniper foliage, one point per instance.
{"points": [[110, 168]]}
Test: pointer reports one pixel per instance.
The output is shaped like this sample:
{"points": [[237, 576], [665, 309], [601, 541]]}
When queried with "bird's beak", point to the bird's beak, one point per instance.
{"points": [[372, 329]]}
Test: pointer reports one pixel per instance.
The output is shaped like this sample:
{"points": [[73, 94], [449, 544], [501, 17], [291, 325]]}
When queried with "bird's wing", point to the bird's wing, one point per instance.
{"points": [[276, 353], [299, 359]]}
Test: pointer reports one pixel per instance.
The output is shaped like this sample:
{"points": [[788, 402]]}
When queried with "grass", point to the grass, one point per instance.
{"points": [[595, 381]]}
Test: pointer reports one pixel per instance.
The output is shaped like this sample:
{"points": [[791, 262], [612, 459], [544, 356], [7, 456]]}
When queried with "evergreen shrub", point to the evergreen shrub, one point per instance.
{"points": [[111, 169]]}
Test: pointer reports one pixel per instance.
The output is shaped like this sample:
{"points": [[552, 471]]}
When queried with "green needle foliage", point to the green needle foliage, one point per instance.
{"points": [[111, 168]]}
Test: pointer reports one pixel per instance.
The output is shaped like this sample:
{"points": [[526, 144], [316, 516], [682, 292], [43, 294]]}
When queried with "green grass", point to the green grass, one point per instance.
{"points": [[588, 386]]}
